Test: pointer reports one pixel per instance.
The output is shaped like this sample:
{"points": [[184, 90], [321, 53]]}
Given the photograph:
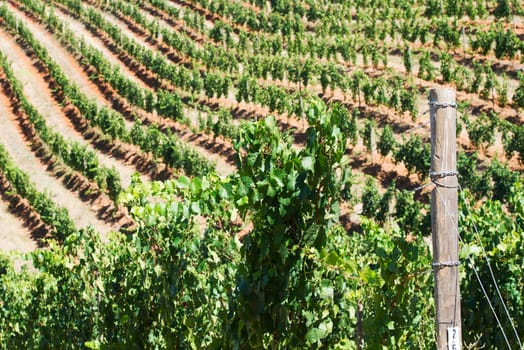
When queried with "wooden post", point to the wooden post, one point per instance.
{"points": [[444, 218]]}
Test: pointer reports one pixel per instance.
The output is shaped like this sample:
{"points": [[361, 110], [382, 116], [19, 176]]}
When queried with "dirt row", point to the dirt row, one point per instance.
{"points": [[175, 24], [36, 91], [32, 158], [69, 127], [127, 25], [87, 190], [209, 16], [22, 227]]}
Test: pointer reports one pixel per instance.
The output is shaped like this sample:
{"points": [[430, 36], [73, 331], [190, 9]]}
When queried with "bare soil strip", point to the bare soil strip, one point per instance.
{"points": [[13, 234], [125, 28], [128, 155], [59, 55], [137, 32], [18, 206], [199, 142], [11, 137], [36, 91], [79, 28]]}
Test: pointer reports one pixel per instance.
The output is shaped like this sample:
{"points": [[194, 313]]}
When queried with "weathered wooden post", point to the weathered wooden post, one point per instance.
{"points": [[444, 218]]}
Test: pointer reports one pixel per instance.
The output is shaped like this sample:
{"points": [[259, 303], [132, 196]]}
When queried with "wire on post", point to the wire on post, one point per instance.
{"points": [[434, 175], [441, 265], [438, 105]]}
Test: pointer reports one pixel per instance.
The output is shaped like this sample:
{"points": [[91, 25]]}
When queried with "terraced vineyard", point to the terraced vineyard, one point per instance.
{"points": [[266, 163]]}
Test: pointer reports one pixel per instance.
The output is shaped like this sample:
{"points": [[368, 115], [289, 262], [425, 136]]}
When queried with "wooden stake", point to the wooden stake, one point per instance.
{"points": [[372, 143], [444, 218], [360, 332], [463, 43]]}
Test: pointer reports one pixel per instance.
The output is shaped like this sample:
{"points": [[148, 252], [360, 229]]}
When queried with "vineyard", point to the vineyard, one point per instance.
{"points": [[253, 174]]}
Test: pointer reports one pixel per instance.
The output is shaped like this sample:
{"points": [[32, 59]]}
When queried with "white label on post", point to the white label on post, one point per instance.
{"points": [[454, 338]]}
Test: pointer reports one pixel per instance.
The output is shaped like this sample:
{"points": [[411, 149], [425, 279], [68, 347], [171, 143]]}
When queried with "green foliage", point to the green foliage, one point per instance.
{"points": [[500, 233], [507, 43], [385, 203], [513, 138], [502, 91], [503, 180], [410, 215], [145, 291], [503, 9], [408, 59], [293, 198], [387, 142], [448, 32], [415, 155], [483, 41], [469, 177], [353, 127], [518, 96], [408, 102], [490, 84], [446, 66], [481, 131], [374, 205], [397, 288], [370, 198], [478, 76], [368, 134], [426, 69]]}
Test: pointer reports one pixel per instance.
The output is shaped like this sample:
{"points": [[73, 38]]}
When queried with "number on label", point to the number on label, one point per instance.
{"points": [[454, 338]]}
